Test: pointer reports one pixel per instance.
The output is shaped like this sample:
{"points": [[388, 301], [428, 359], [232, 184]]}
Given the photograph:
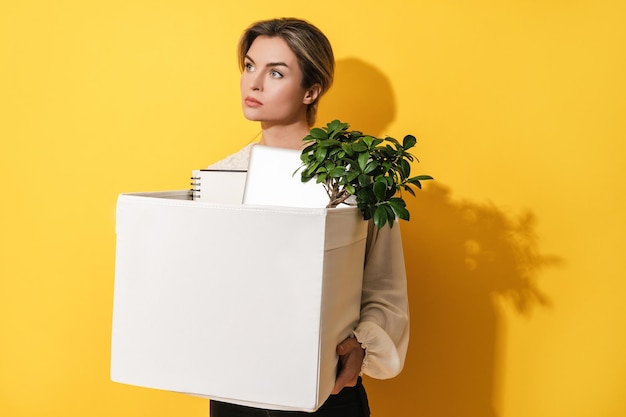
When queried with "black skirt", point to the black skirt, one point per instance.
{"points": [[350, 402]]}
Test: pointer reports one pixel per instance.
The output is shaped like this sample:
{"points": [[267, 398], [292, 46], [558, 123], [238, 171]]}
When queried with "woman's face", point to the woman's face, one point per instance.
{"points": [[271, 90]]}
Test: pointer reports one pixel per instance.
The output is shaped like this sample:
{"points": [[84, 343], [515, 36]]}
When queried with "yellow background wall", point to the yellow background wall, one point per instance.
{"points": [[515, 253]]}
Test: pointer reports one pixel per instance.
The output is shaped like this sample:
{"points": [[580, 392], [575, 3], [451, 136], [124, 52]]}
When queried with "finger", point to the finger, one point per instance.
{"points": [[342, 348], [349, 374], [340, 383], [346, 378], [346, 346]]}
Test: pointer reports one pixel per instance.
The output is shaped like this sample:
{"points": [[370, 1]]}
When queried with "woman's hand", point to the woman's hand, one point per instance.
{"points": [[351, 355]]}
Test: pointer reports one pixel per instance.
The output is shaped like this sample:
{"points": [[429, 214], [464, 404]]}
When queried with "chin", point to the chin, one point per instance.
{"points": [[250, 115]]}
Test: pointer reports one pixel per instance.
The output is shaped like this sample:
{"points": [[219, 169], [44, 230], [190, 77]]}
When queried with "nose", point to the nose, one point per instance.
{"points": [[255, 81]]}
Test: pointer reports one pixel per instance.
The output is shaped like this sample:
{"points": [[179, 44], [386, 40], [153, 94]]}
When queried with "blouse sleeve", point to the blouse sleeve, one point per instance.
{"points": [[383, 330]]}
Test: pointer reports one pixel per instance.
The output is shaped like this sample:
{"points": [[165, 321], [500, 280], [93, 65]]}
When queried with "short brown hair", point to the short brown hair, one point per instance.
{"points": [[308, 43]]}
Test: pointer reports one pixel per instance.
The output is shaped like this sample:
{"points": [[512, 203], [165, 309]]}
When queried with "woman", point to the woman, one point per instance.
{"points": [[287, 65]]}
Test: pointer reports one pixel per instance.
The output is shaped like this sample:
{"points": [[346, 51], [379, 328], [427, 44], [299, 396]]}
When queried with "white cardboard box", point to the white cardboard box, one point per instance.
{"points": [[234, 302]]}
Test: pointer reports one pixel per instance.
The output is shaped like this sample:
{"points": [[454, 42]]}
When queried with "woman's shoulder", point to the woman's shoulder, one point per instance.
{"points": [[238, 160]]}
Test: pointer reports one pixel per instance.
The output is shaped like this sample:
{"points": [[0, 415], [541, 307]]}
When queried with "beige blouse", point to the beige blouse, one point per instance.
{"points": [[383, 329]]}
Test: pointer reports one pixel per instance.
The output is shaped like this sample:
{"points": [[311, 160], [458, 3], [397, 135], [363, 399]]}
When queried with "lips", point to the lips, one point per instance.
{"points": [[252, 102]]}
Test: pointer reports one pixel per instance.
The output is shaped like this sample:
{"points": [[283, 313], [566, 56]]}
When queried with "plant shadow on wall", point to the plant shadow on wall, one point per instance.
{"points": [[461, 258]]}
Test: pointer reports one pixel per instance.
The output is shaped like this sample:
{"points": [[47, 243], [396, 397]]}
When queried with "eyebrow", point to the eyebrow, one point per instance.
{"points": [[269, 64]]}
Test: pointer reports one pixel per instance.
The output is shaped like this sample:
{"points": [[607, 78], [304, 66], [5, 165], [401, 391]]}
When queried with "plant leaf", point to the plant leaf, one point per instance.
{"points": [[380, 217], [371, 166], [405, 169], [318, 133], [327, 143], [380, 190], [320, 154], [352, 175], [364, 180], [363, 159], [359, 147], [409, 141], [337, 172], [399, 207], [337, 126], [410, 190]]}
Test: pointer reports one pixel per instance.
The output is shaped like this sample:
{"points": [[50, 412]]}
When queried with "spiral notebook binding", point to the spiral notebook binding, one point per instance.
{"points": [[194, 192], [221, 185]]}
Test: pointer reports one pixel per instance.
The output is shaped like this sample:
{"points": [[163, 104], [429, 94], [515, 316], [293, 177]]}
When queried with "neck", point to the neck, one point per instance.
{"points": [[284, 136]]}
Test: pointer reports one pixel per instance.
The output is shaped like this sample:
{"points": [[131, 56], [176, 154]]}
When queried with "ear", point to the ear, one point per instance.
{"points": [[312, 94]]}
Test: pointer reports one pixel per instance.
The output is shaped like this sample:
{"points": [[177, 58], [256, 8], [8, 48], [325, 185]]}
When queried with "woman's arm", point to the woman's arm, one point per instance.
{"points": [[381, 338], [383, 329]]}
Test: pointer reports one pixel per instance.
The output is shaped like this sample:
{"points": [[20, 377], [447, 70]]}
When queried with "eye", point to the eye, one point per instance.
{"points": [[248, 67], [275, 74]]}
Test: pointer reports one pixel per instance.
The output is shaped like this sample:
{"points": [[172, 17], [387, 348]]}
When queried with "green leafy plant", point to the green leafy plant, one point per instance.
{"points": [[375, 171]]}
